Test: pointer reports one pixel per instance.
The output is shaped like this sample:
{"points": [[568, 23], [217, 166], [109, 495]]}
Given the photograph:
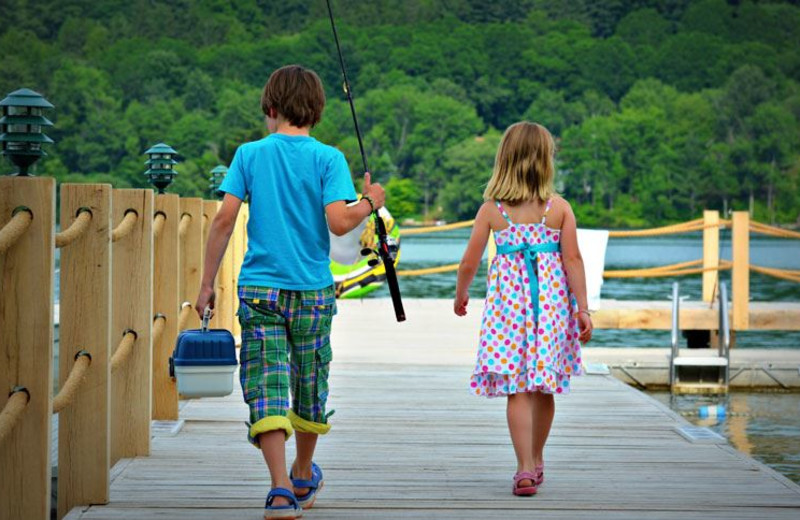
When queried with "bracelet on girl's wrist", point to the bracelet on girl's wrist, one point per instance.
{"points": [[584, 311], [371, 202]]}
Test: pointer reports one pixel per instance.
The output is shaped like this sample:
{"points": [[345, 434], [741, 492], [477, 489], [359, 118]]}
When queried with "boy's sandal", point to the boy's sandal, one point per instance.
{"points": [[290, 511], [539, 470], [525, 491], [314, 486]]}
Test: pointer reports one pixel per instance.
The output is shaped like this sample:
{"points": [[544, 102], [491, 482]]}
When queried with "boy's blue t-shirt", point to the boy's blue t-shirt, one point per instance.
{"points": [[289, 180]]}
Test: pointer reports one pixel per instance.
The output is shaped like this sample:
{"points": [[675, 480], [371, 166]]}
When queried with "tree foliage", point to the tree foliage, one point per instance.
{"points": [[661, 108]]}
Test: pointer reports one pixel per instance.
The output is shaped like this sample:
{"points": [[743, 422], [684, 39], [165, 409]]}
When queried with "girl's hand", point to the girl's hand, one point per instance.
{"points": [[460, 304], [205, 298], [586, 327]]}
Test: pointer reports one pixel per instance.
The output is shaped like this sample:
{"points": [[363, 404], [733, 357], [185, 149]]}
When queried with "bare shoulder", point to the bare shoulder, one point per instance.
{"points": [[489, 215]]}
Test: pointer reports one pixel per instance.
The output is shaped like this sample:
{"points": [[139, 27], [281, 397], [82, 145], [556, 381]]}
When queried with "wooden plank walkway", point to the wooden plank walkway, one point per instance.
{"points": [[409, 441]]}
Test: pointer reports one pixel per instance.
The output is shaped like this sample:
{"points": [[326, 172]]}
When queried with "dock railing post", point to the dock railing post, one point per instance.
{"points": [[191, 245], [710, 254], [239, 244], [84, 436], [210, 208], [26, 344], [132, 312], [741, 270], [166, 304]]}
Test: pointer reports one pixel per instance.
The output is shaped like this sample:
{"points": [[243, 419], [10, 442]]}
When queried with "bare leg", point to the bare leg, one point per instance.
{"points": [[306, 443], [519, 413], [544, 408], [273, 447]]}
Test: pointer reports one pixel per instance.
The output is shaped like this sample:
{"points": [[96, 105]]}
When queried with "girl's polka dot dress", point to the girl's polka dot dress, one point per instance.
{"points": [[517, 354]]}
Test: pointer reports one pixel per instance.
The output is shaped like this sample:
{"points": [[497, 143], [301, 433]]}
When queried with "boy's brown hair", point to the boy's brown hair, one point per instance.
{"points": [[296, 93]]}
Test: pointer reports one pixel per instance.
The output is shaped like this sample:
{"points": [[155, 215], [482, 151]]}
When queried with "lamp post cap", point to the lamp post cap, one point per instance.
{"points": [[25, 97], [220, 169], [161, 148]]}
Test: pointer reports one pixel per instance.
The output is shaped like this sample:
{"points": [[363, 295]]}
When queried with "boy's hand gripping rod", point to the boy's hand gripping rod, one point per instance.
{"points": [[384, 249]]}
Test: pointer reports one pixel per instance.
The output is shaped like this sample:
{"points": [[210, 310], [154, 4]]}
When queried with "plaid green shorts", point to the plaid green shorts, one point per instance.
{"points": [[286, 353]]}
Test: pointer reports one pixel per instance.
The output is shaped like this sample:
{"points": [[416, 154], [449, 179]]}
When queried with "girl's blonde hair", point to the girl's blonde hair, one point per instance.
{"points": [[523, 167]]}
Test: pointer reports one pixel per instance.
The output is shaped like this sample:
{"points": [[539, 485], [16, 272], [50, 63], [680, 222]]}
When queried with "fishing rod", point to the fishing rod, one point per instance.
{"points": [[384, 250]]}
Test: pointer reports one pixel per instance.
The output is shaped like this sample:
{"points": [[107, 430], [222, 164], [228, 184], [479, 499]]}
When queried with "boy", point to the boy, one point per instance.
{"points": [[286, 294]]}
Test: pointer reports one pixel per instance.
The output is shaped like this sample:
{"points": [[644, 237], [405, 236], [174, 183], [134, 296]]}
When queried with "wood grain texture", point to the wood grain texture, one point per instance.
{"points": [[26, 346], [210, 208], [166, 301], [191, 246], [132, 296], [710, 254], [84, 437], [740, 277], [239, 241]]}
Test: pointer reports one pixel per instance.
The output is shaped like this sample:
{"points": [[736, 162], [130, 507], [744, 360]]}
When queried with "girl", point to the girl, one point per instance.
{"points": [[535, 313]]}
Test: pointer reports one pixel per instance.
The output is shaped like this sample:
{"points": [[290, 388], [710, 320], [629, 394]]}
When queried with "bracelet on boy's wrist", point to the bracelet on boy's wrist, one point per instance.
{"points": [[371, 202]]}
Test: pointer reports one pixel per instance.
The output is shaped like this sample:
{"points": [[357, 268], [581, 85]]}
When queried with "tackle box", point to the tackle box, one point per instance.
{"points": [[204, 361]]}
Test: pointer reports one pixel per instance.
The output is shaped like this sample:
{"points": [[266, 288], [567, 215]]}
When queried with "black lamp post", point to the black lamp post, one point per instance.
{"points": [[21, 128], [217, 175], [160, 166]]}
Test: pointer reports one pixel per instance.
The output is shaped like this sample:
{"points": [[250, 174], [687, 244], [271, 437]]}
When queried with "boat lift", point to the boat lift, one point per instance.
{"points": [[700, 373]]}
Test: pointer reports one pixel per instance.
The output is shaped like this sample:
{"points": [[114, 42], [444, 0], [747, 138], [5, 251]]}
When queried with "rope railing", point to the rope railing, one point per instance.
{"points": [[158, 223], [664, 271], [784, 274], [183, 319], [124, 349], [21, 219], [428, 270], [76, 229], [76, 377], [765, 229], [12, 411], [435, 229], [126, 226], [183, 225], [159, 322]]}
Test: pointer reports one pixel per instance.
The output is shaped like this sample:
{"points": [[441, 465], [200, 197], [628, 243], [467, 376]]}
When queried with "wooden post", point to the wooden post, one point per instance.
{"points": [[239, 244], [166, 302], [191, 246], [225, 291], [84, 439], [210, 208], [710, 254], [132, 295], [492, 249], [741, 270], [26, 347]]}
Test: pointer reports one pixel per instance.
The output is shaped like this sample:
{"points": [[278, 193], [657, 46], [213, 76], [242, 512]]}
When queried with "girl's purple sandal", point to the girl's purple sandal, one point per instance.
{"points": [[539, 470], [291, 511], [314, 486], [525, 491]]}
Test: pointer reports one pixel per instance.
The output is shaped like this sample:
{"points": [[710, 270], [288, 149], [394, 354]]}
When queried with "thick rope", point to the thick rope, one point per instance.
{"points": [[183, 225], [183, 319], [126, 226], [435, 229], [12, 411], [683, 227], [429, 270], [661, 272], [76, 377], [124, 349], [20, 221], [764, 229], [158, 224], [784, 274], [76, 229], [159, 322]]}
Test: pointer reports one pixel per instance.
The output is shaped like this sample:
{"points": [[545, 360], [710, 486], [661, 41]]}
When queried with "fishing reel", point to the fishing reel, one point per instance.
{"points": [[391, 244]]}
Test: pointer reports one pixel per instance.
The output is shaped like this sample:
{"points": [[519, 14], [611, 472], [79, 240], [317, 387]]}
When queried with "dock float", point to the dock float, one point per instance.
{"points": [[409, 441]]}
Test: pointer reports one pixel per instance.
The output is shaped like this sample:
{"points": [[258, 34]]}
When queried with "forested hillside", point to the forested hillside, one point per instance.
{"points": [[661, 107]]}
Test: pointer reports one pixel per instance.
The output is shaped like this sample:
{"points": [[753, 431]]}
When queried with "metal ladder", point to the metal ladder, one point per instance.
{"points": [[690, 374]]}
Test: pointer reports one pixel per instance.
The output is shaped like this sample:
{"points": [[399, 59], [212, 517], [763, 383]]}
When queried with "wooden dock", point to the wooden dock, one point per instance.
{"points": [[409, 441]]}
